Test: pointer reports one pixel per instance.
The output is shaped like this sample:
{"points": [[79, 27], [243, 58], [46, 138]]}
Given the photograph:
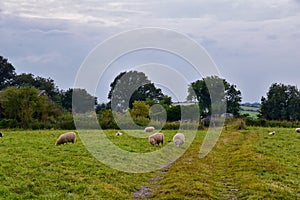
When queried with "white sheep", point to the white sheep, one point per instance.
{"points": [[272, 133], [297, 130], [66, 137], [178, 139], [118, 133], [156, 138], [149, 129]]}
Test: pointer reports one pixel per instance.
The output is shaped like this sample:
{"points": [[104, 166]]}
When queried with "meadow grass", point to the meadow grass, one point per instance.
{"points": [[245, 164]]}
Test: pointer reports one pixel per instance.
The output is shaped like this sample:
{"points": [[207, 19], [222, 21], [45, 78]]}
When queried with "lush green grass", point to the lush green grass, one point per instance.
{"points": [[247, 164], [32, 167]]}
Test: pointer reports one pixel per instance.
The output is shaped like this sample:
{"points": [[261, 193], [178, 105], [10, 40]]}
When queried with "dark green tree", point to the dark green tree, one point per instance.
{"points": [[281, 103], [66, 99], [82, 101], [7, 73], [20, 103], [132, 86], [220, 89], [42, 84]]}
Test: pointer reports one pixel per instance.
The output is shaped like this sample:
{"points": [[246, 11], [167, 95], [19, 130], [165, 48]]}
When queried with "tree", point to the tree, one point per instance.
{"points": [[82, 101], [7, 73], [66, 99], [132, 86], [20, 104], [40, 83], [140, 109], [198, 91], [282, 103], [174, 113]]}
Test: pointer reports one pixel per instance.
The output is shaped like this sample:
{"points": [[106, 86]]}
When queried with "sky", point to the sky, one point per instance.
{"points": [[253, 43]]}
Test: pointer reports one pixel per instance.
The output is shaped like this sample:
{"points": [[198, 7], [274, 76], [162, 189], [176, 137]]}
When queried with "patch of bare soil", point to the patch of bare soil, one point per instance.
{"points": [[145, 191]]}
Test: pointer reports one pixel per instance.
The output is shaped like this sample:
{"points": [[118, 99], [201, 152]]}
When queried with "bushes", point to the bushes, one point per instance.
{"points": [[8, 123], [271, 123]]}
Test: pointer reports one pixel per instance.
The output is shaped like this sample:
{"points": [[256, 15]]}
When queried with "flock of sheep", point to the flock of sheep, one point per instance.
{"points": [[158, 138], [154, 139]]}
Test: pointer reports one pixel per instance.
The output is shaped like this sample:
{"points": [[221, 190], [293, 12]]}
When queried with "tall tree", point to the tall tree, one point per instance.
{"points": [[140, 109], [7, 73], [132, 86], [20, 104], [198, 91], [66, 99], [281, 103], [40, 83], [82, 101]]}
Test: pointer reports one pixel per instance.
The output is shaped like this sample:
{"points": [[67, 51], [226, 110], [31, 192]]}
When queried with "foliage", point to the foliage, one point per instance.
{"points": [[140, 109], [271, 123], [82, 101], [106, 120], [132, 86], [26, 106], [42, 84], [282, 103], [200, 92], [20, 104], [174, 113], [7, 73]]}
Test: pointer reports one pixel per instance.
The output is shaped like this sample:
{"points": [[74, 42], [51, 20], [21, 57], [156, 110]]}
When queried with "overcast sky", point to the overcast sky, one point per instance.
{"points": [[253, 43]]}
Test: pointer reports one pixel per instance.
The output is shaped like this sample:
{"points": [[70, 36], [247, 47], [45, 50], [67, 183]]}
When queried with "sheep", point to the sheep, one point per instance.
{"points": [[272, 133], [178, 139], [1, 134], [118, 133], [149, 129], [297, 130], [156, 138], [66, 137]]}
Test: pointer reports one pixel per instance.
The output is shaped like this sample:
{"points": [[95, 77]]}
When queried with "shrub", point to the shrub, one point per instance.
{"points": [[8, 123]]}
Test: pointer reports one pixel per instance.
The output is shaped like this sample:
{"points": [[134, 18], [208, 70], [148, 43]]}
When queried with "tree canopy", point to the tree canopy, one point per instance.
{"points": [[198, 91], [7, 73], [282, 103], [132, 86]]}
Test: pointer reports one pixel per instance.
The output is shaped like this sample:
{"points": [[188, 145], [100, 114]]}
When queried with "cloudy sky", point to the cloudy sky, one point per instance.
{"points": [[253, 43]]}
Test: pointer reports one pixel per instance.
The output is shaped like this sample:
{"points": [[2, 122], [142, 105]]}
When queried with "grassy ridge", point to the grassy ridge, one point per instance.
{"points": [[246, 164]]}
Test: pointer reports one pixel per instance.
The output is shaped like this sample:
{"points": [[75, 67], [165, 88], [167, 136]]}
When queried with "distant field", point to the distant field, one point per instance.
{"points": [[251, 111], [246, 164]]}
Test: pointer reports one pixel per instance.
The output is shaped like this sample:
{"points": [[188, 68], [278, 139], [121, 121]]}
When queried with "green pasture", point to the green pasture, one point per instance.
{"points": [[244, 164]]}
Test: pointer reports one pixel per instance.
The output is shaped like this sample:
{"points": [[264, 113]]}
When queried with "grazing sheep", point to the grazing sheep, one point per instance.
{"points": [[297, 130], [149, 129], [1, 135], [178, 139], [66, 137], [118, 133], [156, 138], [272, 133]]}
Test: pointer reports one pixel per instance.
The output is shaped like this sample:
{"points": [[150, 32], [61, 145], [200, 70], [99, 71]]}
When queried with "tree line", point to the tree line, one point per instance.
{"points": [[29, 101]]}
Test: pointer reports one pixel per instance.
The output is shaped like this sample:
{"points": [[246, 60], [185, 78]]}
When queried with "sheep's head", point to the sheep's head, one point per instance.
{"points": [[152, 141]]}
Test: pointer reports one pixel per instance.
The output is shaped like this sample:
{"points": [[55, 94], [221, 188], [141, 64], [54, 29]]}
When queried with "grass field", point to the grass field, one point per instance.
{"points": [[251, 111], [246, 164]]}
